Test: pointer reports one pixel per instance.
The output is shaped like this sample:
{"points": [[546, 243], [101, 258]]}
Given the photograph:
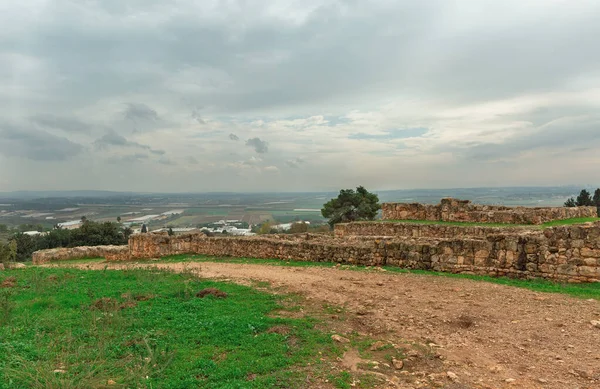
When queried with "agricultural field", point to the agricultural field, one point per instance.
{"points": [[42, 211]]}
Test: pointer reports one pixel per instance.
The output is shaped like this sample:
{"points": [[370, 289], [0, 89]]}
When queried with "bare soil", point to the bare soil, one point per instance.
{"points": [[456, 333]]}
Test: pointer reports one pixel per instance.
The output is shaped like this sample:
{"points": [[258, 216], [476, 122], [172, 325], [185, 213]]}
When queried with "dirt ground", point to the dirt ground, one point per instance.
{"points": [[479, 335]]}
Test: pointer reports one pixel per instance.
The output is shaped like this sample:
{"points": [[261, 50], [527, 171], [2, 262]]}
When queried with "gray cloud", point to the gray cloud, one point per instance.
{"points": [[111, 138], [191, 160], [259, 146], [294, 163], [166, 161], [134, 158], [196, 116], [138, 111], [501, 84], [67, 124], [36, 145]]}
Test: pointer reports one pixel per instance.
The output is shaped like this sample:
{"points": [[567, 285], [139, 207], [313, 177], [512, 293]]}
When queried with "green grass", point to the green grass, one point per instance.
{"points": [[152, 333], [555, 223], [584, 290], [568, 222]]}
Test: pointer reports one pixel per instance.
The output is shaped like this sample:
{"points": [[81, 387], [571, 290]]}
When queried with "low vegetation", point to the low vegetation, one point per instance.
{"points": [[89, 234], [67, 328]]}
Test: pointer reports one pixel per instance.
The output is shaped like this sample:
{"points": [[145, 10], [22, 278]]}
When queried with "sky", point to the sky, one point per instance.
{"points": [[298, 95]]}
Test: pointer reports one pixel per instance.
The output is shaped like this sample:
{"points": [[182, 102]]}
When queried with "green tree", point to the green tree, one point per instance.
{"points": [[144, 229], [596, 199], [170, 231], [265, 228], [584, 199], [8, 252], [351, 206], [3, 228], [118, 219], [83, 219], [298, 228], [570, 203]]}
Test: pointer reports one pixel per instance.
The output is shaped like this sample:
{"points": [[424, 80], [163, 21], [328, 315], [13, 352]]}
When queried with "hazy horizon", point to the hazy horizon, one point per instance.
{"points": [[287, 96]]}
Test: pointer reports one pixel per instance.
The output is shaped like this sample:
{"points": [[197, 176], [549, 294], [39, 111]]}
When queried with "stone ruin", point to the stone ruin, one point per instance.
{"points": [[454, 210], [565, 253]]}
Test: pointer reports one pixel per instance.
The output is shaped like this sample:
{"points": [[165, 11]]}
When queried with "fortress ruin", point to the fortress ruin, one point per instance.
{"points": [[524, 250]]}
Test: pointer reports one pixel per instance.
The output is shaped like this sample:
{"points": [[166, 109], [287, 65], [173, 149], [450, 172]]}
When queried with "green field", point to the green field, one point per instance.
{"points": [[67, 328]]}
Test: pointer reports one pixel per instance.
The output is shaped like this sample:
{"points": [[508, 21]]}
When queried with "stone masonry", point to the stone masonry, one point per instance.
{"points": [[566, 253], [464, 211]]}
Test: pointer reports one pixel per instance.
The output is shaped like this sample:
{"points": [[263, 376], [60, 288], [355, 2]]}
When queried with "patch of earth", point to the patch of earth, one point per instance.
{"points": [[452, 333]]}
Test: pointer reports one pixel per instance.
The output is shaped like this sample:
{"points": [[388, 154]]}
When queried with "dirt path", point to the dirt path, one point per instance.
{"points": [[488, 335]]}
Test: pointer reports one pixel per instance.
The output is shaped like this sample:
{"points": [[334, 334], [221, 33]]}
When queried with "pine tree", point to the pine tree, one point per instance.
{"points": [[596, 199], [144, 229], [584, 199], [570, 203]]}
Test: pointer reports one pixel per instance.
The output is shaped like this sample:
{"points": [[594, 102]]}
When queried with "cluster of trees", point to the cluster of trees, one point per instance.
{"points": [[585, 199], [89, 234]]}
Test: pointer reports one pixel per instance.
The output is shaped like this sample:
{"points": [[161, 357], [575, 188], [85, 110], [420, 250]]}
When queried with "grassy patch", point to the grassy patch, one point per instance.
{"points": [[555, 223], [589, 290], [68, 328], [568, 222]]}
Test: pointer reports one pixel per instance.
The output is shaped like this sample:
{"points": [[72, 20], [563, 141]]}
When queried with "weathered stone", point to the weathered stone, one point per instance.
{"points": [[340, 339], [514, 252], [112, 253], [464, 210]]}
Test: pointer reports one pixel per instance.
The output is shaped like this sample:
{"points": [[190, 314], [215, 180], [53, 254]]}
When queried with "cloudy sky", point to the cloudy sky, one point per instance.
{"points": [[286, 95]]}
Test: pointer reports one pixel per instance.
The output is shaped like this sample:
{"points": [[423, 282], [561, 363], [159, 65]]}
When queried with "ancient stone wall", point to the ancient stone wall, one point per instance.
{"points": [[465, 211], [567, 253], [112, 253], [416, 230]]}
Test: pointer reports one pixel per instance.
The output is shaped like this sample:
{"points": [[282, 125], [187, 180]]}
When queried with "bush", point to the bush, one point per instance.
{"points": [[89, 234]]}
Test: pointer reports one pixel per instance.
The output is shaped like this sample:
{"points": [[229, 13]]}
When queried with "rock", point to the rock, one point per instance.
{"points": [[1, 266], [111, 382], [340, 339], [595, 323], [542, 381], [453, 377], [509, 380], [59, 371], [17, 265], [398, 364], [377, 345]]}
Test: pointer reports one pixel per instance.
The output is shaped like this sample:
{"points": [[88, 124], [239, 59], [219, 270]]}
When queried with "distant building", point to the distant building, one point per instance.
{"points": [[287, 226], [70, 225], [173, 212], [33, 233]]}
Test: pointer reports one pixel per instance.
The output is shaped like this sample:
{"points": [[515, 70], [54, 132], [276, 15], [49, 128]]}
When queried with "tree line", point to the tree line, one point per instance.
{"points": [[585, 199], [89, 234]]}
